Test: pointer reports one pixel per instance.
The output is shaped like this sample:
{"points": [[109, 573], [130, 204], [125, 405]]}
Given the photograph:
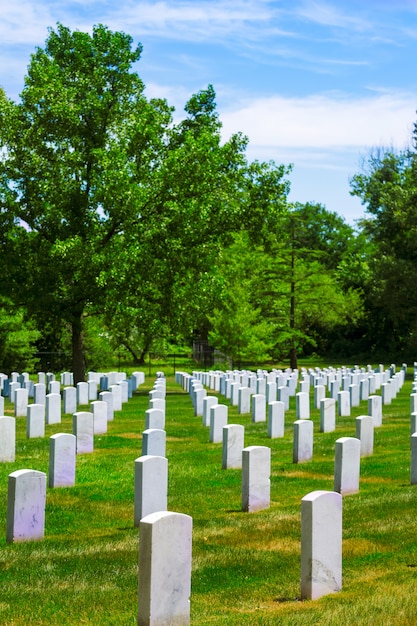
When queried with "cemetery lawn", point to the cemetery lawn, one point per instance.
{"points": [[246, 566]]}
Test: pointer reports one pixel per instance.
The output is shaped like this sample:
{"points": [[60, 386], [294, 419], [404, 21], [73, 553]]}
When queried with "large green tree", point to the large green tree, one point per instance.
{"points": [[387, 187], [195, 206], [237, 325], [109, 200], [239, 330], [66, 172], [301, 290]]}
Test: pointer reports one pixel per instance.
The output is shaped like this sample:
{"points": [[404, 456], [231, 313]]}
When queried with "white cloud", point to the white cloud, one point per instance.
{"points": [[327, 14], [324, 121], [24, 22], [242, 21]]}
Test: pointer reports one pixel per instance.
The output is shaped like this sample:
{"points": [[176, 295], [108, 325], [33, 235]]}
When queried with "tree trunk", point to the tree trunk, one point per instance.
{"points": [[293, 357], [78, 356], [137, 359], [293, 349]]}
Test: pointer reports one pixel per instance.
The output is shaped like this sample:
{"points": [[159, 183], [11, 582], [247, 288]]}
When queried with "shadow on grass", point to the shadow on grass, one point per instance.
{"points": [[283, 599]]}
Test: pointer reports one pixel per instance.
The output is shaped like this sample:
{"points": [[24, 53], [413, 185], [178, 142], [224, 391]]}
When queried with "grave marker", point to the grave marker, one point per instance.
{"points": [[258, 407], [365, 434], [375, 409], [99, 411], [283, 395], [413, 423], [26, 506], [354, 395], [92, 390], [39, 393], [151, 486], [233, 444], [35, 421], [256, 472], [158, 403], [208, 402], [218, 419], [302, 406], [7, 439], [62, 460], [319, 394], [154, 418], [234, 393], [271, 392], [386, 393], [83, 429], [69, 396], [82, 394], [116, 390], [54, 386], [154, 442], [343, 401], [124, 390], [243, 401], [276, 419], [107, 397], [53, 408], [12, 388], [321, 544], [303, 441], [21, 399], [327, 415], [164, 569], [347, 465], [199, 395]]}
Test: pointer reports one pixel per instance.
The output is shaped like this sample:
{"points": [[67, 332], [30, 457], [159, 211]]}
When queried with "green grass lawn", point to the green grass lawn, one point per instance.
{"points": [[246, 566]]}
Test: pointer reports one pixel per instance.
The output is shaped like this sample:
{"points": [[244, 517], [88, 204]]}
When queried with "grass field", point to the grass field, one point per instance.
{"points": [[246, 566]]}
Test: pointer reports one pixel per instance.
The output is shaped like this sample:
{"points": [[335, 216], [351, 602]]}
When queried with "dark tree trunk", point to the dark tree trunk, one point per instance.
{"points": [[139, 359], [293, 358], [78, 356], [293, 349]]}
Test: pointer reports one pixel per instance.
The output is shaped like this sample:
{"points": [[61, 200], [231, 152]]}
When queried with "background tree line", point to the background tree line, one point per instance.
{"points": [[122, 230]]}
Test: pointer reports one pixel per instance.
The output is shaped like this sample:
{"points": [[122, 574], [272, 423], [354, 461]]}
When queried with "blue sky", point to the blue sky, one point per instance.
{"points": [[314, 83]]}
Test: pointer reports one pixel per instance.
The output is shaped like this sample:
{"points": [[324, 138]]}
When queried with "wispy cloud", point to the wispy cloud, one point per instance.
{"points": [[154, 14], [24, 22], [327, 14], [208, 20], [325, 121]]}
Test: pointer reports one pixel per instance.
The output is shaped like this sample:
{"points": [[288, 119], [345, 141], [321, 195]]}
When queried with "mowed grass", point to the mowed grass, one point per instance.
{"points": [[246, 567]]}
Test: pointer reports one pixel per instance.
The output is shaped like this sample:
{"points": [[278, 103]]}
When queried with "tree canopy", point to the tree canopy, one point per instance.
{"points": [[107, 202], [118, 224], [388, 189]]}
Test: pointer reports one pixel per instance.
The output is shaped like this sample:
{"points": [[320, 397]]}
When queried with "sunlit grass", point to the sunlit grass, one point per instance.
{"points": [[246, 567]]}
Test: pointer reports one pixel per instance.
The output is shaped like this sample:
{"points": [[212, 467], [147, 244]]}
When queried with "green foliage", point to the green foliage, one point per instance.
{"points": [[322, 231], [238, 328], [113, 215], [18, 337], [62, 144], [388, 188], [100, 351], [108, 206], [289, 293], [301, 289], [264, 196]]}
